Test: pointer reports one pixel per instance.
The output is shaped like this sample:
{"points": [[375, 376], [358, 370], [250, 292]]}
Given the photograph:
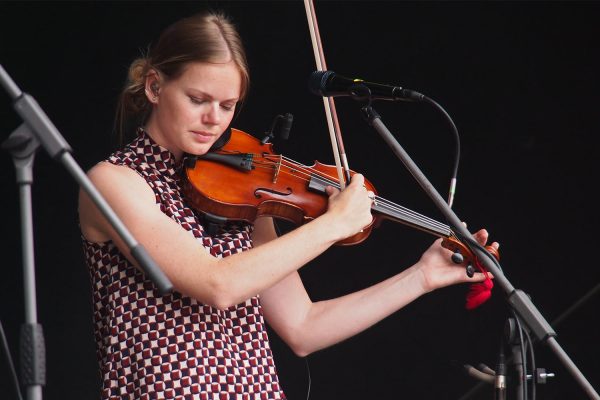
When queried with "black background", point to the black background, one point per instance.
{"points": [[520, 80]]}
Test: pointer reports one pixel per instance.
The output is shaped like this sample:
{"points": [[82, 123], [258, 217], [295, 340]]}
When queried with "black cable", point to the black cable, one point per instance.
{"points": [[278, 232], [454, 176], [309, 378], [523, 376], [533, 368], [554, 323], [11, 366]]}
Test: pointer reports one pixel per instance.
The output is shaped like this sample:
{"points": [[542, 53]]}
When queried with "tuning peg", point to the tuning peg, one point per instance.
{"points": [[470, 271], [457, 258]]}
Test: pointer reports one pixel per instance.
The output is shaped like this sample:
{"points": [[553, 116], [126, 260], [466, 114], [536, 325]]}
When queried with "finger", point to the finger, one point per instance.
{"points": [[481, 236], [331, 190], [357, 180], [371, 195]]}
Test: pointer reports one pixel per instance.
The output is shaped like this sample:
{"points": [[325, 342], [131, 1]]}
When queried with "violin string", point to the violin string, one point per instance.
{"points": [[393, 207], [412, 216], [298, 170], [402, 214]]}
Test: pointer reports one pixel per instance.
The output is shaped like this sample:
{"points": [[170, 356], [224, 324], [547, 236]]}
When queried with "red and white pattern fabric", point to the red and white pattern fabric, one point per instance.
{"points": [[173, 347]]}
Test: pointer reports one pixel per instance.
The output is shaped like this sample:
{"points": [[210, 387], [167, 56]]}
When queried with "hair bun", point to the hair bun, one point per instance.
{"points": [[137, 72]]}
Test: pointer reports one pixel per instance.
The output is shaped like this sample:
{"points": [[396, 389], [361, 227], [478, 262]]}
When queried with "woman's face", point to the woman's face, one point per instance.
{"points": [[191, 112]]}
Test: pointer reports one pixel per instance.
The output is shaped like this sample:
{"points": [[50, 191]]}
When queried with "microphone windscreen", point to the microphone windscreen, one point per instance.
{"points": [[317, 82]]}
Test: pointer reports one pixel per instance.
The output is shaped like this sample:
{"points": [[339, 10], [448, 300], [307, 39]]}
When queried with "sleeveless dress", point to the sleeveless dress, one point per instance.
{"points": [[173, 347]]}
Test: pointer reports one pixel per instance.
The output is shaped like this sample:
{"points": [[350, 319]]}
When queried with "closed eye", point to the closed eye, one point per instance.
{"points": [[225, 106], [228, 106], [196, 100]]}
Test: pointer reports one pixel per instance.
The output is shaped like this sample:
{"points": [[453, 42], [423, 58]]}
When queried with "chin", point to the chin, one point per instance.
{"points": [[199, 150]]}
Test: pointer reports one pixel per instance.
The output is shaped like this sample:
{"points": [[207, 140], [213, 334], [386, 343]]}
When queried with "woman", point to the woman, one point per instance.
{"points": [[208, 339]]}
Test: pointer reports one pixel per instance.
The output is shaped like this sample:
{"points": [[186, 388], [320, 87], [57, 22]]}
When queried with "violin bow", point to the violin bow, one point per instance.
{"points": [[335, 135]]}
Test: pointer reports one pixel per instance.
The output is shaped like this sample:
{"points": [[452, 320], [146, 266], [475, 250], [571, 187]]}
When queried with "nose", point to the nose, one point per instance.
{"points": [[212, 114]]}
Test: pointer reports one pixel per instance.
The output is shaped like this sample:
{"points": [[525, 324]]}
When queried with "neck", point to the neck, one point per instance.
{"points": [[153, 130]]}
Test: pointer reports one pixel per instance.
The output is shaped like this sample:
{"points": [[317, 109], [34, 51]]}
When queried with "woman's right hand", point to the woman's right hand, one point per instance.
{"points": [[350, 208]]}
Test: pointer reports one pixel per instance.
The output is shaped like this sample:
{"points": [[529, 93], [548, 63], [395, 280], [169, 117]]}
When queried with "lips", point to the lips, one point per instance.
{"points": [[203, 136]]}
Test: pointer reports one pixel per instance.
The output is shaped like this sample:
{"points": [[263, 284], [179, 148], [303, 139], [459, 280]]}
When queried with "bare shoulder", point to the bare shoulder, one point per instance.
{"points": [[106, 176], [122, 188], [190, 268]]}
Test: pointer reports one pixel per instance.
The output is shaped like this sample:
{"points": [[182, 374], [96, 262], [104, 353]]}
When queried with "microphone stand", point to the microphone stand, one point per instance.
{"points": [[516, 298], [500, 375], [23, 144], [517, 360], [541, 375]]}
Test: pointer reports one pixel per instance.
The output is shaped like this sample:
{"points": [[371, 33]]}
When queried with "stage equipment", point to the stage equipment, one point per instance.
{"points": [[23, 143]]}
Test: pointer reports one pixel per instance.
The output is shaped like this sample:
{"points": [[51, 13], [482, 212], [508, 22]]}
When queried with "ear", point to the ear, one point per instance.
{"points": [[152, 86]]}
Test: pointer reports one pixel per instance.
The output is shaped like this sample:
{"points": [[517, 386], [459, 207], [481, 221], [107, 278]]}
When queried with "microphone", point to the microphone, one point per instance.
{"points": [[286, 126], [330, 84], [283, 128]]}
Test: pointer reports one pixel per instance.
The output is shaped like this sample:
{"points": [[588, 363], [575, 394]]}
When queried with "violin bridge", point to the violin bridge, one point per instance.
{"points": [[277, 169]]}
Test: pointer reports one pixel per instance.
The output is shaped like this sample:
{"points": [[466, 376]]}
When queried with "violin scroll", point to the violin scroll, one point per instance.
{"points": [[462, 253]]}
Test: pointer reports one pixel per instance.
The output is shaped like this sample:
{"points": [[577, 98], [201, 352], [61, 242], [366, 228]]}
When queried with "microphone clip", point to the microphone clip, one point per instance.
{"points": [[361, 93], [281, 126]]}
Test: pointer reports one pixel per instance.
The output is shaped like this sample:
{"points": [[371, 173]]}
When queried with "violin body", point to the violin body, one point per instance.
{"points": [[245, 180]]}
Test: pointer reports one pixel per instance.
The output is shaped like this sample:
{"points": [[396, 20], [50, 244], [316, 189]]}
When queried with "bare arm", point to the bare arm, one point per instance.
{"points": [[308, 326], [193, 271]]}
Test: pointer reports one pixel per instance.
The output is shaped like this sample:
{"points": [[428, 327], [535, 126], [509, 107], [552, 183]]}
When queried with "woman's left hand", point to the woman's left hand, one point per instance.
{"points": [[438, 270]]}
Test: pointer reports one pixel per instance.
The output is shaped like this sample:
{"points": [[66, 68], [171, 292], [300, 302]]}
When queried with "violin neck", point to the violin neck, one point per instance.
{"points": [[405, 216], [392, 211]]}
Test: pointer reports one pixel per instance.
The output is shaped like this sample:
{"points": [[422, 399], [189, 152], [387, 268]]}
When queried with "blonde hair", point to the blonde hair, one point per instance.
{"points": [[208, 37]]}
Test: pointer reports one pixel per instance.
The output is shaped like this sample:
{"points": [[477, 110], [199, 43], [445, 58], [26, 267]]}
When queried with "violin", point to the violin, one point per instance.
{"points": [[245, 179]]}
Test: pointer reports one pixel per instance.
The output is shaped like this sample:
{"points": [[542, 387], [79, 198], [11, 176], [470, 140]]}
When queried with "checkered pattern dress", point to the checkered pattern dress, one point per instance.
{"points": [[173, 347]]}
